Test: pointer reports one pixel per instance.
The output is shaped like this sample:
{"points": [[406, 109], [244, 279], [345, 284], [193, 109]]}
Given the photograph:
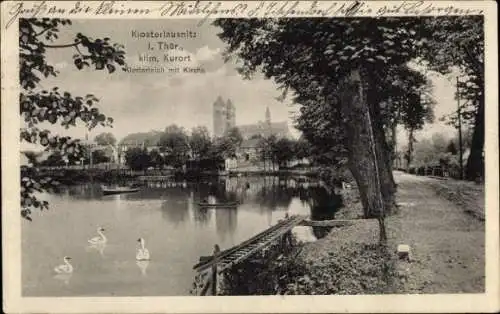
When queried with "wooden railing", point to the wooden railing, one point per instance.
{"points": [[212, 267]]}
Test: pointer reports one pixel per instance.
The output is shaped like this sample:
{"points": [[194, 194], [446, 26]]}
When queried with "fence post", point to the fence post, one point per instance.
{"points": [[214, 270]]}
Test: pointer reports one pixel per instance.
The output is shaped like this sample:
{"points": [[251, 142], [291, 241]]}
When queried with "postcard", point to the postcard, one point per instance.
{"points": [[249, 156]]}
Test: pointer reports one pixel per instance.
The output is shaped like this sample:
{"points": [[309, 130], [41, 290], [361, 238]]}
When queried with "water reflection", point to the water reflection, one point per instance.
{"points": [[64, 278], [202, 215], [143, 266], [175, 210], [168, 216], [97, 247], [226, 221], [324, 205]]}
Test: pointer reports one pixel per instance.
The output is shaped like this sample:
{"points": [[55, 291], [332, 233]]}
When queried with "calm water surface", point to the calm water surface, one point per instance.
{"points": [[176, 232]]}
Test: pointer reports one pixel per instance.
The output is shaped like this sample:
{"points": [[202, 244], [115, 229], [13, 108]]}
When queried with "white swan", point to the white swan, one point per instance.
{"points": [[100, 239], [142, 253], [65, 268]]}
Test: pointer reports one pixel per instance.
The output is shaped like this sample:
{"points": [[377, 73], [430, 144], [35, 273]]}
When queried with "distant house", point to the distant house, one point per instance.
{"points": [[230, 164], [248, 150]]}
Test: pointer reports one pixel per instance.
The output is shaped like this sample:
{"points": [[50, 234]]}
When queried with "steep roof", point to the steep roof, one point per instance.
{"points": [[249, 130], [219, 102], [152, 138]]}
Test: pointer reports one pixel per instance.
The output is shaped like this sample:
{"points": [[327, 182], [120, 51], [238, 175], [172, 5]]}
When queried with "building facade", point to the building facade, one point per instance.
{"points": [[265, 128]]}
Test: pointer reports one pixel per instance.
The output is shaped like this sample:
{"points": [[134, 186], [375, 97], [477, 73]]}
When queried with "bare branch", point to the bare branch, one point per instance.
{"points": [[63, 46], [43, 31]]}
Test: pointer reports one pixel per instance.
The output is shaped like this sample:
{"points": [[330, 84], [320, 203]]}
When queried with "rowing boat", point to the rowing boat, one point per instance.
{"points": [[118, 190], [230, 204]]}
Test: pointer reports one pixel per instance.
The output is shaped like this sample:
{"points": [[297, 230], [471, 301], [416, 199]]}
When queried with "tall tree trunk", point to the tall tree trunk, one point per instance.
{"points": [[367, 159], [384, 160], [475, 163], [383, 149], [409, 153], [394, 141]]}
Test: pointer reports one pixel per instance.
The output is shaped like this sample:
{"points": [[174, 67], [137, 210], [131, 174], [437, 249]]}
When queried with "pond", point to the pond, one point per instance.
{"points": [[166, 215]]}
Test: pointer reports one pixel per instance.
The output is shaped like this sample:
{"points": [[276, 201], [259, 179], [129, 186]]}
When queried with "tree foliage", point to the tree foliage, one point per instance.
{"points": [[137, 158], [105, 139], [308, 57], [267, 147], [174, 143], [99, 156], [38, 104], [227, 145], [458, 43], [200, 142], [284, 151]]}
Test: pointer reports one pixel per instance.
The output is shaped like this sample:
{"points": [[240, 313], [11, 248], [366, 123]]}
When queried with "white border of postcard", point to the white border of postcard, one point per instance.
{"points": [[11, 237]]}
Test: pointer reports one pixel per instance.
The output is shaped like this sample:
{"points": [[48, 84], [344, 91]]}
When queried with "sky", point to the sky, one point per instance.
{"points": [[140, 102]]}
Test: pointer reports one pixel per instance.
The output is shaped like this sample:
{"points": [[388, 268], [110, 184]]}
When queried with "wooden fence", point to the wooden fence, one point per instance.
{"points": [[435, 171]]}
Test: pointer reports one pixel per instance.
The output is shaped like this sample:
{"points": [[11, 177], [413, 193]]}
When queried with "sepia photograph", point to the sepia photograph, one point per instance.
{"points": [[260, 156]]}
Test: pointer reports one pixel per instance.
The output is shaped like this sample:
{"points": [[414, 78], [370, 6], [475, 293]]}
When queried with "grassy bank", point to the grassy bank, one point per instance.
{"points": [[469, 196], [348, 260], [447, 248]]}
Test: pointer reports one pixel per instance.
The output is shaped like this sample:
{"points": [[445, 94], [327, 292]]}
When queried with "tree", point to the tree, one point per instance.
{"points": [[459, 42], [410, 105], [434, 151], [302, 148], [137, 158], [200, 142], [227, 145], [266, 148], [451, 148], [105, 139], [99, 156], [156, 158], [234, 136], [38, 105], [224, 148], [174, 143], [31, 157], [283, 151], [54, 159], [341, 74]]}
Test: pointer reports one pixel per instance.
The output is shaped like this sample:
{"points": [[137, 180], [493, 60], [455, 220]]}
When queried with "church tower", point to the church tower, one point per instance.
{"points": [[219, 117], [231, 115]]}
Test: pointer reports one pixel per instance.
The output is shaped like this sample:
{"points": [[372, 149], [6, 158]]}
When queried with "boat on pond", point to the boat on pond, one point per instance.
{"points": [[118, 189], [215, 205]]}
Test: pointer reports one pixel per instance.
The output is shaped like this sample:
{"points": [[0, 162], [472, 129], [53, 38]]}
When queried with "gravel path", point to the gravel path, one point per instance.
{"points": [[448, 254]]}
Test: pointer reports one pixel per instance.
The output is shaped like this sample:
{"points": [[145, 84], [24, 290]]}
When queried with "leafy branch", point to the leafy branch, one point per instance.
{"points": [[53, 106]]}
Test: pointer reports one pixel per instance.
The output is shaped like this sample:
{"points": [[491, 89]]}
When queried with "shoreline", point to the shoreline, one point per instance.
{"points": [[350, 260]]}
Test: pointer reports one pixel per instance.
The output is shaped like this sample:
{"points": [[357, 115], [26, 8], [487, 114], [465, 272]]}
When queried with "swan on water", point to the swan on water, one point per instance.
{"points": [[142, 252], [65, 268], [100, 239]]}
